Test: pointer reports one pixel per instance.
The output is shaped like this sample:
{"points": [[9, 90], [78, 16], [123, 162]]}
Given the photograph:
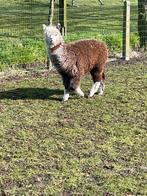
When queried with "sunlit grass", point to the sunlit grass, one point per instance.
{"points": [[21, 22], [82, 147]]}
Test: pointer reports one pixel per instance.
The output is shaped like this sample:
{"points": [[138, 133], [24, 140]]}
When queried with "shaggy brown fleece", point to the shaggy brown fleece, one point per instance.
{"points": [[73, 60]]}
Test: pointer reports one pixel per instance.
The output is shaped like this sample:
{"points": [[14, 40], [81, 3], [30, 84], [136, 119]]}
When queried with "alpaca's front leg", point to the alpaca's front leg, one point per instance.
{"points": [[79, 92], [75, 86], [66, 95], [66, 83]]}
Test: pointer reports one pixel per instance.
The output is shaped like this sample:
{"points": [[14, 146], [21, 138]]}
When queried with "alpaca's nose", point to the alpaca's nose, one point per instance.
{"points": [[50, 40]]}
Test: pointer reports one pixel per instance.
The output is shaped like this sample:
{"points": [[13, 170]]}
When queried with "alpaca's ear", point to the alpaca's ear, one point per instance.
{"points": [[58, 26], [44, 27]]}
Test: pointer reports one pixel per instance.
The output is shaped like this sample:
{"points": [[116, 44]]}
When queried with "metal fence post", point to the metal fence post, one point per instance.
{"points": [[126, 30], [142, 23], [63, 16]]}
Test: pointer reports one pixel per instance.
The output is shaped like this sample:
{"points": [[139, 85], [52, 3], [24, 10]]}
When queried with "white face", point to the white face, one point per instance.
{"points": [[52, 35]]}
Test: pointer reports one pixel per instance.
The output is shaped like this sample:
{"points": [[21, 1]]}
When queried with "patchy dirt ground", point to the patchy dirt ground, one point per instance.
{"points": [[37, 69], [83, 147]]}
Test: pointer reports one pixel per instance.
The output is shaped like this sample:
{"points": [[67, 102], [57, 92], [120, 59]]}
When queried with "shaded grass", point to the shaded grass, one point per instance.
{"points": [[84, 146]]}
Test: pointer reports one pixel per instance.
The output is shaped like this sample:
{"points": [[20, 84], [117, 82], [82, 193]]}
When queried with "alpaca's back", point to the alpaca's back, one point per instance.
{"points": [[88, 53]]}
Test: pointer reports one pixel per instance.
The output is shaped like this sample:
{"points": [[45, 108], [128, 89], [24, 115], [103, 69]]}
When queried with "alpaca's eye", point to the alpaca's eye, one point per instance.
{"points": [[56, 34]]}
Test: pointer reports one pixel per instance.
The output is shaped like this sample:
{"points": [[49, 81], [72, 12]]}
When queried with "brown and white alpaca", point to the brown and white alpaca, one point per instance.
{"points": [[73, 60]]}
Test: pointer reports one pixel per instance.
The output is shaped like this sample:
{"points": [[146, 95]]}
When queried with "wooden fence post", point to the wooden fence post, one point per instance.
{"points": [[50, 22], [51, 12], [63, 16], [126, 30]]}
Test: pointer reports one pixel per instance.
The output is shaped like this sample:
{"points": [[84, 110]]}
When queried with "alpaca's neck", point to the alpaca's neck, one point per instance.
{"points": [[57, 55], [58, 50], [55, 48]]}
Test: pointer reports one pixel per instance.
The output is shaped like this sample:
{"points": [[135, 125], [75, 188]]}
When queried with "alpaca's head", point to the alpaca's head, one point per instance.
{"points": [[52, 35]]}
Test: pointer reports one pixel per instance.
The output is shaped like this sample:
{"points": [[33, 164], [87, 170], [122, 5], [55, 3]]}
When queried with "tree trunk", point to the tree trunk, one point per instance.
{"points": [[142, 23]]}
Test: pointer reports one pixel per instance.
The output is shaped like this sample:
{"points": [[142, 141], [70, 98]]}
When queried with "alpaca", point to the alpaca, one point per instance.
{"points": [[73, 60]]}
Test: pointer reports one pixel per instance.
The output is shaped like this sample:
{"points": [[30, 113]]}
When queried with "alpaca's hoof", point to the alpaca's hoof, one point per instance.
{"points": [[79, 92], [81, 95], [90, 96], [65, 97], [101, 93], [64, 100]]}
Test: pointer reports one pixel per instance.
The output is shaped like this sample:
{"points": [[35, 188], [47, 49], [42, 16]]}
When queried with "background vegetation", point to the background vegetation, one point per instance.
{"points": [[21, 27]]}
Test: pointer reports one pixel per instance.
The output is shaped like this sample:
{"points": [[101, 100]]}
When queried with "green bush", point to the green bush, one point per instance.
{"points": [[134, 41], [114, 42]]}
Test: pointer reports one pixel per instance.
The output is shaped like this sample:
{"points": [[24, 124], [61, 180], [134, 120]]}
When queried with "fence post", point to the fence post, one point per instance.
{"points": [[63, 16], [50, 22], [142, 23], [126, 30]]}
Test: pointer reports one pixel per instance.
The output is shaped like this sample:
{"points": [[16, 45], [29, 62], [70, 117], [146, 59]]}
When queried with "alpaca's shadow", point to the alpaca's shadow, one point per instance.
{"points": [[31, 93]]}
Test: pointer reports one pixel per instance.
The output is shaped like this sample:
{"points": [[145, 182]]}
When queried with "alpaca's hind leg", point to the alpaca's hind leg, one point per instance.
{"points": [[98, 79], [94, 88], [101, 88]]}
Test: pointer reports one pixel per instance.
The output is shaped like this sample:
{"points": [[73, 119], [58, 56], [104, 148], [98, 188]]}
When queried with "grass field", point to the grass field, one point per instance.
{"points": [[89, 147], [82, 147], [21, 37]]}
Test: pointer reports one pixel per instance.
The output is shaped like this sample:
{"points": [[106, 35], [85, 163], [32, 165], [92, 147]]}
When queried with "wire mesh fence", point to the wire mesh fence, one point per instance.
{"points": [[96, 19], [24, 19]]}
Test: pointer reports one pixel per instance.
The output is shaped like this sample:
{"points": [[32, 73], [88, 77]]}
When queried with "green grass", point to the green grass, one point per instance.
{"points": [[21, 51], [82, 147], [15, 52], [21, 22]]}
